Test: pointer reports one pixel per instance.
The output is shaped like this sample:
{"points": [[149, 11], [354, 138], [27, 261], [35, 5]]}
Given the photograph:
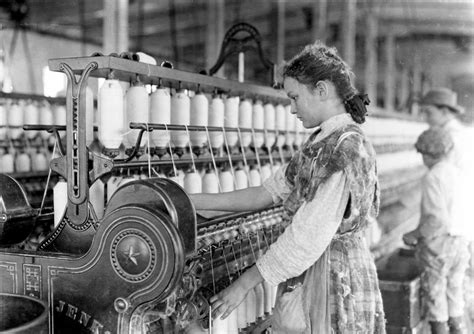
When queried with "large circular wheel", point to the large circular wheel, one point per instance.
{"points": [[145, 251]]}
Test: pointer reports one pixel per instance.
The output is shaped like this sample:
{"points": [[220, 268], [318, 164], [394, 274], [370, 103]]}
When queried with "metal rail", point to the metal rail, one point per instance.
{"points": [[130, 71]]}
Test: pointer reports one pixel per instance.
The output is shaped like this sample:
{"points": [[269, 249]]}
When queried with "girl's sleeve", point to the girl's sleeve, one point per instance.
{"points": [[309, 234], [277, 185]]}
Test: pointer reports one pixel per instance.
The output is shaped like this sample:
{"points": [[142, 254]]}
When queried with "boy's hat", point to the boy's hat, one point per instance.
{"points": [[443, 97], [435, 142]]}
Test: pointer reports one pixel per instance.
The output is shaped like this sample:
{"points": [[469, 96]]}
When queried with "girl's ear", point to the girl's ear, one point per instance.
{"points": [[322, 89]]}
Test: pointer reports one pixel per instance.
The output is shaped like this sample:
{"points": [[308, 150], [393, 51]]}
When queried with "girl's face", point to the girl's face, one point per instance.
{"points": [[306, 103]]}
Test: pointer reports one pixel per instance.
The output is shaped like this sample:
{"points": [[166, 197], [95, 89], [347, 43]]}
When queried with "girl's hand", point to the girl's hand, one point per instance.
{"points": [[228, 299], [410, 238]]}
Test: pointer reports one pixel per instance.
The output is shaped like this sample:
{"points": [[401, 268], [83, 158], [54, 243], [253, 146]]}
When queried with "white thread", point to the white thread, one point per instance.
{"points": [[213, 159], [230, 159], [171, 153], [148, 147], [190, 149], [257, 155], [47, 179], [243, 155]]}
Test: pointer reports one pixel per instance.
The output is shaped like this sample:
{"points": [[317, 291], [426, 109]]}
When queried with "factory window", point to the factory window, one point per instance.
{"points": [[54, 83]]}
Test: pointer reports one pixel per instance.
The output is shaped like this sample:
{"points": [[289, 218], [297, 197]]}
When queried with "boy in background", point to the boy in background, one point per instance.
{"points": [[440, 245]]}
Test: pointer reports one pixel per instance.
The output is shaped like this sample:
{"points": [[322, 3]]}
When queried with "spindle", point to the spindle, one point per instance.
{"points": [[216, 118], [199, 116], [22, 162], [15, 119], [111, 114], [269, 125], [160, 113], [180, 115], [3, 121], [31, 116], [258, 123], [45, 117], [137, 108], [7, 164], [231, 119], [245, 121]]}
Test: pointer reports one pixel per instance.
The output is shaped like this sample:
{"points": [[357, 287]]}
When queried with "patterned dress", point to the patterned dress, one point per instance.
{"points": [[350, 300]]}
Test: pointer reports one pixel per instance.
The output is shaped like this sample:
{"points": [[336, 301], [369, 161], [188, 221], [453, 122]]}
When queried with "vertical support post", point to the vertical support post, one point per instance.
{"points": [[371, 46], [241, 67], [108, 27], [281, 25], [76, 160], [390, 74], [122, 26], [215, 32], [403, 90], [115, 26], [348, 23], [319, 20], [415, 83]]}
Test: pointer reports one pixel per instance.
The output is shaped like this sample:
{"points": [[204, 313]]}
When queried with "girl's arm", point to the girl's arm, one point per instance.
{"points": [[249, 199], [228, 299]]}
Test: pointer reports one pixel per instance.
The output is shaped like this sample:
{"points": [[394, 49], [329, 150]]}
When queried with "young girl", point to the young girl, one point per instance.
{"points": [[327, 277]]}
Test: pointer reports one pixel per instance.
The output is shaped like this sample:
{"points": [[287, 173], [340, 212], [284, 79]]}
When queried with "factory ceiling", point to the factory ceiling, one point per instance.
{"points": [[176, 29]]}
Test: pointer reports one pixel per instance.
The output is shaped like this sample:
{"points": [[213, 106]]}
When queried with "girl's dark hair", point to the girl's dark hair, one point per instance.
{"points": [[319, 62]]}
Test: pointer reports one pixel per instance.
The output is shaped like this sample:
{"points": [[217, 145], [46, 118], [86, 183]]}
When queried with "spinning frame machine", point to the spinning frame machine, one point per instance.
{"points": [[151, 263]]}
